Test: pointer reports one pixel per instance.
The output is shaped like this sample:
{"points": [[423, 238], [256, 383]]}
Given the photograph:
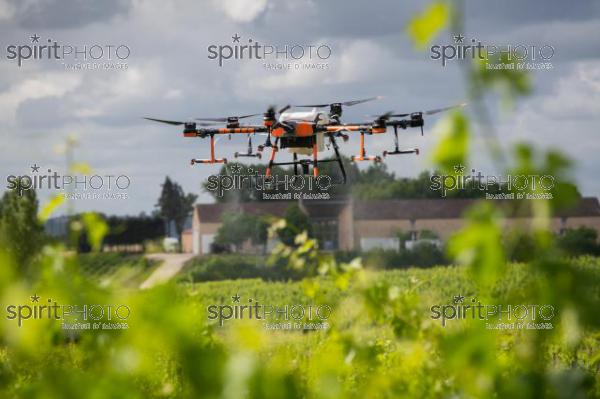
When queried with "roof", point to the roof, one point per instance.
{"points": [[587, 206], [211, 213], [326, 209], [411, 209], [454, 208], [408, 209]]}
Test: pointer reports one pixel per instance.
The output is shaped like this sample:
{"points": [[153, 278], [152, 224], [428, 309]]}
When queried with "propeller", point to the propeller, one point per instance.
{"points": [[270, 120], [188, 126], [272, 112], [226, 118], [335, 109], [232, 121], [416, 118], [429, 112], [279, 123], [175, 123], [346, 103]]}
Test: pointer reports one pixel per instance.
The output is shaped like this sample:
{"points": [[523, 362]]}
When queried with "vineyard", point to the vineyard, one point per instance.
{"points": [[382, 339], [115, 268]]}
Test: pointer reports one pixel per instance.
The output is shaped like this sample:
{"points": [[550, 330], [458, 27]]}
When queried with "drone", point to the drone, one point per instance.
{"points": [[305, 133]]}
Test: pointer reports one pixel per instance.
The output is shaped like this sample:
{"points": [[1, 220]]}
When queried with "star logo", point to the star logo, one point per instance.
{"points": [[458, 298], [459, 169], [35, 38], [34, 168], [236, 38], [459, 38], [236, 168], [236, 298], [35, 298]]}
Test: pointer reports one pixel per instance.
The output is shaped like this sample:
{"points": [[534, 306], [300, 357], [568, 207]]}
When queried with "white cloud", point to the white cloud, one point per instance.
{"points": [[103, 94], [575, 95], [46, 85], [7, 10], [242, 10], [355, 61]]}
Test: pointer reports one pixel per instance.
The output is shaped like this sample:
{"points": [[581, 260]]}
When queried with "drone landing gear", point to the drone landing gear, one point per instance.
{"points": [[212, 158], [363, 156], [305, 164], [250, 152], [398, 151], [338, 158]]}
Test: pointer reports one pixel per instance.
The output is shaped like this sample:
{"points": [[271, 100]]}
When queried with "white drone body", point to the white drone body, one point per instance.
{"points": [[321, 118]]}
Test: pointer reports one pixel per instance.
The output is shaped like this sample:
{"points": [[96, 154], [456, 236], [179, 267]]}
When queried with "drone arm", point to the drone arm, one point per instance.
{"points": [[236, 130], [363, 128]]}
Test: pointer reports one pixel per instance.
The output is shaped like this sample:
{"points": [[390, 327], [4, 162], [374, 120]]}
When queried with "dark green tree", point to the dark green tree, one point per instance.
{"points": [[174, 205], [20, 230], [580, 241], [238, 227], [296, 222]]}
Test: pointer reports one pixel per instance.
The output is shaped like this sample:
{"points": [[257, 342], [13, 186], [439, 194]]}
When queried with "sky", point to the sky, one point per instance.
{"points": [[170, 76]]}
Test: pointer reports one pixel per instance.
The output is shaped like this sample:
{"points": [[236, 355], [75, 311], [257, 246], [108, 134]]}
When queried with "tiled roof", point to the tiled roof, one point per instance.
{"points": [[455, 208], [411, 209], [211, 213], [385, 209]]}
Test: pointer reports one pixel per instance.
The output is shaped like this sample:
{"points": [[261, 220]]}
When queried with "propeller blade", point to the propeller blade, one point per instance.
{"points": [[176, 123], [226, 118], [312, 105], [248, 116], [435, 111], [355, 102], [384, 116], [429, 112], [212, 119], [347, 103], [282, 110]]}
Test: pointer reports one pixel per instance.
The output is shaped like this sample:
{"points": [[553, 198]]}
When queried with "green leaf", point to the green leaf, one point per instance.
{"points": [[426, 25], [50, 207], [96, 228], [453, 147]]}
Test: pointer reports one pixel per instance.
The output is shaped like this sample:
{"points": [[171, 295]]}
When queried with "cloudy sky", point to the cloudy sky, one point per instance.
{"points": [[170, 76]]}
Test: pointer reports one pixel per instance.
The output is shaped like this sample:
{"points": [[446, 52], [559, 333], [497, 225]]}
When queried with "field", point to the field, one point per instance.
{"points": [[374, 340], [122, 270], [382, 339]]}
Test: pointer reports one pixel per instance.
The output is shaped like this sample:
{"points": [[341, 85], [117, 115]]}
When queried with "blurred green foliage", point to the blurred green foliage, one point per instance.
{"points": [[425, 26], [382, 342]]}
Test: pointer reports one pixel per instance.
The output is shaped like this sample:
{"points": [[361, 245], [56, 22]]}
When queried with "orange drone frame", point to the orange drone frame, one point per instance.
{"points": [[304, 133]]}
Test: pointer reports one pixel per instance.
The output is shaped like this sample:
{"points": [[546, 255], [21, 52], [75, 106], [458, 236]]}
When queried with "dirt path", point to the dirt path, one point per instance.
{"points": [[171, 265]]}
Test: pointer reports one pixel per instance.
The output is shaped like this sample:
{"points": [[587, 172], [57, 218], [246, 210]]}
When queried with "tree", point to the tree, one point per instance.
{"points": [[20, 230], [296, 221], [133, 229], [580, 241], [174, 205], [238, 227]]}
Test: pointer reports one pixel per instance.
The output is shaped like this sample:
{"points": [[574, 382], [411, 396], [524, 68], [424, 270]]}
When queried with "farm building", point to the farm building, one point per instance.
{"points": [[348, 224]]}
